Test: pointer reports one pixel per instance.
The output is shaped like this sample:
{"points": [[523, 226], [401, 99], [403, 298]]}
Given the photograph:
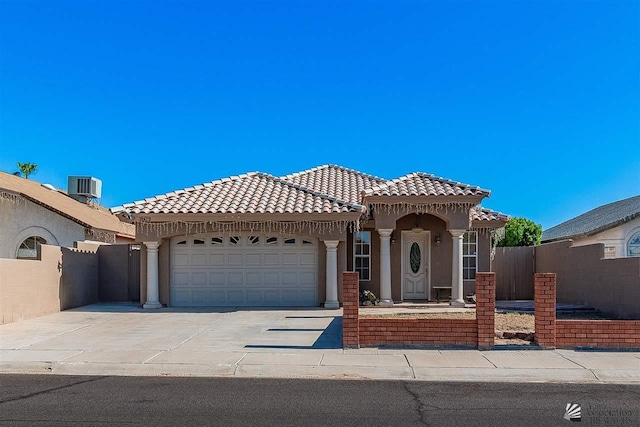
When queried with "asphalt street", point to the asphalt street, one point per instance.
{"points": [[40, 400]]}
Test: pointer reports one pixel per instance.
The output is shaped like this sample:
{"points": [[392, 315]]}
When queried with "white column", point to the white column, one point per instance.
{"points": [[153, 300], [385, 268], [332, 274], [457, 288]]}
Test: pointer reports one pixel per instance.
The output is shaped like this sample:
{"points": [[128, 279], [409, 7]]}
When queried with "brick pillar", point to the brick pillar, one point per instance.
{"points": [[545, 309], [350, 303], [486, 309]]}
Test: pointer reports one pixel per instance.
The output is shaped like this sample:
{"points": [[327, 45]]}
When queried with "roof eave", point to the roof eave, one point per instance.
{"points": [[597, 230], [476, 199], [245, 217], [488, 223]]}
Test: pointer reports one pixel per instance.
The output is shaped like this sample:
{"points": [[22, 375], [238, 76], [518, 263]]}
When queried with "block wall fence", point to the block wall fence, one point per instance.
{"points": [[476, 333], [551, 332], [480, 332]]}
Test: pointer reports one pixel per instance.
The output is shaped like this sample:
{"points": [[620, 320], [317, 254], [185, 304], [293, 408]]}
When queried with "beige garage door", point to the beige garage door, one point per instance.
{"points": [[244, 269]]}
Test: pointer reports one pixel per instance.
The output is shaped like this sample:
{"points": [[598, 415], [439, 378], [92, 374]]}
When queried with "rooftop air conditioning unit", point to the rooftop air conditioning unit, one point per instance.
{"points": [[85, 186]]}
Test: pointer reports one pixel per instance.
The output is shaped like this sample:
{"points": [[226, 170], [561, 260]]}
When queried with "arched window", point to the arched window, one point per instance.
{"points": [[29, 247], [633, 246]]}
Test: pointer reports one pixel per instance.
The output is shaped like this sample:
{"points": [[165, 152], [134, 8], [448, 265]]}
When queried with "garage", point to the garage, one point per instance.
{"points": [[244, 269]]}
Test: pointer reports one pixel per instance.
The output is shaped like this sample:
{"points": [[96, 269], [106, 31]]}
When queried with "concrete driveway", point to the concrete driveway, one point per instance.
{"points": [[111, 339], [126, 334]]}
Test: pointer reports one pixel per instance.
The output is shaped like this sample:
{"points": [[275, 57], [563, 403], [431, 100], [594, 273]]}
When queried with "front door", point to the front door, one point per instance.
{"points": [[415, 264]]}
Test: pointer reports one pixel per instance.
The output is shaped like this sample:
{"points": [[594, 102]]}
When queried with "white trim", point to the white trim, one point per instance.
{"points": [[427, 263]]}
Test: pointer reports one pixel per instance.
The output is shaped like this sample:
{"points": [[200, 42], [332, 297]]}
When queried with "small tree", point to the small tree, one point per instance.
{"points": [[26, 169], [521, 232]]}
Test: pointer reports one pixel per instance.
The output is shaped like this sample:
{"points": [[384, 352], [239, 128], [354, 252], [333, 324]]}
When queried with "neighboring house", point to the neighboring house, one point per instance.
{"points": [[32, 214], [616, 225], [259, 240]]}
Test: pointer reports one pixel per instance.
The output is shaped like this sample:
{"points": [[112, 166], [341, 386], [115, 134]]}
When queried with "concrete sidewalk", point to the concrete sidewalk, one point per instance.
{"points": [[125, 340]]}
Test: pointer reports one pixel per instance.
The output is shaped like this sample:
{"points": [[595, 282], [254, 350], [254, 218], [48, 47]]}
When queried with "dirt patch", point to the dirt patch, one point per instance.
{"points": [[504, 321], [514, 322]]}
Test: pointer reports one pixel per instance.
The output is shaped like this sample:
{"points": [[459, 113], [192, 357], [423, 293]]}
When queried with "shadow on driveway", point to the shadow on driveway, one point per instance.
{"points": [[331, 337]]}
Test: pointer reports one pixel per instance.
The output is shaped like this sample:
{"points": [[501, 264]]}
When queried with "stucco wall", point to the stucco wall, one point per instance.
{"points": [[60, 279], [22, 219], [614, 237], [30, 288]]}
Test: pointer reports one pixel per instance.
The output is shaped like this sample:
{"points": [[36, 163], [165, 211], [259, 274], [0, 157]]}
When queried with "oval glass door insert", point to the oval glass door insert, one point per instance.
{"points": [[414, 257]]}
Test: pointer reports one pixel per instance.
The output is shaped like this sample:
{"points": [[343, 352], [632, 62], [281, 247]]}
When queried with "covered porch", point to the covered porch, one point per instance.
{"points": [[423, 247]]}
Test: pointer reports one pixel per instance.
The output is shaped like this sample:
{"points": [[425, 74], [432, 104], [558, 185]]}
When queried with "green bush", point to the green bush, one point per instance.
{"points": [[521, 232]]}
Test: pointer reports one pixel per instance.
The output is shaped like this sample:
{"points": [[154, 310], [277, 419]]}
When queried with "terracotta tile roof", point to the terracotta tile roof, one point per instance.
{"points": [[56, 201], [422, 184], [253, 192], [337, 181], [596, 220], [323, 189], [483, 214]]}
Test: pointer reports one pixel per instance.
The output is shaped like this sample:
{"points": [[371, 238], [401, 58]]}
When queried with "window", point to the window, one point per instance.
{"points": [[29, 247], [272, 240], [198, 241], [609, 251], [362, 254], [469, 255], [234, 240], [254, 240], [290, 241], [633, 247], [216, 241]]}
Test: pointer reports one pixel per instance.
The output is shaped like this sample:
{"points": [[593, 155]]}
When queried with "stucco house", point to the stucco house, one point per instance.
{"points": [[616, 225], [32, 214], [260, 240]]}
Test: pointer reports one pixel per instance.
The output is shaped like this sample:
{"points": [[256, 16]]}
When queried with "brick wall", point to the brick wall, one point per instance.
{"points": [[598, 333], [486, 309], [350, 303], [545, 309], [477, 332], [457, 332]]}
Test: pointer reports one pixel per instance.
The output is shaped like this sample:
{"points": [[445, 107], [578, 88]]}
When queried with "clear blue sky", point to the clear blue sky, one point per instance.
{"points": [[538, 101]]}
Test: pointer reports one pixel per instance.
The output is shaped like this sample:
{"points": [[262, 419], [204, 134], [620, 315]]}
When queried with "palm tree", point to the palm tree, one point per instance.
{"points": [[26, 169]]}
